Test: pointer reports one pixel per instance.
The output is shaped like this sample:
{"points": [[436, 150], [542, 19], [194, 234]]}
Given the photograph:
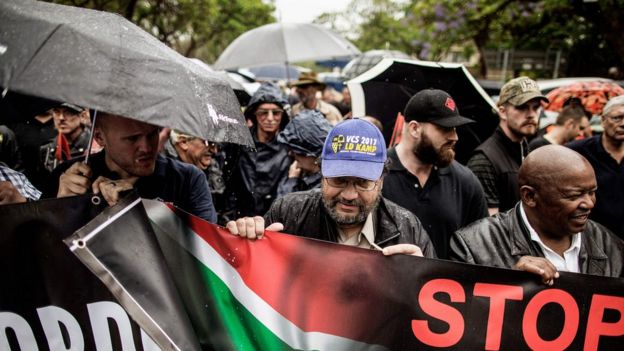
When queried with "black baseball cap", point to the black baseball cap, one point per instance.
{"points": [[434, 106]]}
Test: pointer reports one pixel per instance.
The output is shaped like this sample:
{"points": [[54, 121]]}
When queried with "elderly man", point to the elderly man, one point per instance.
{"points": [[497, 160], [549, 230], [72, 139], [130, 160], [307, 86], [349, 208], [605, 153], [193, 150], [424, 177]]}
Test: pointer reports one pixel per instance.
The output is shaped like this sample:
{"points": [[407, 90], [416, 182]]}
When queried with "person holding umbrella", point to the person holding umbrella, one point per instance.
{"points": [[130, 160], [304, 136], [307, 86]]}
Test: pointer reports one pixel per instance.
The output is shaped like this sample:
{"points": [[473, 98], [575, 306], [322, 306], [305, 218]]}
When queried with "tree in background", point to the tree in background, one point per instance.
{"points": [[590, 32], [195, 28]]}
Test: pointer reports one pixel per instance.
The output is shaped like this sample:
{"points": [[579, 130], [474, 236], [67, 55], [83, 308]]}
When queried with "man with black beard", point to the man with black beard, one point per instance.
{"points": [[349, 208], [424, 176]]}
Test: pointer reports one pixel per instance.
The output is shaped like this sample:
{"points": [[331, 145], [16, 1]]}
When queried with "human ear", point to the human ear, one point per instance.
{"points": [[502, 112], [98, 135], [528, 195]]}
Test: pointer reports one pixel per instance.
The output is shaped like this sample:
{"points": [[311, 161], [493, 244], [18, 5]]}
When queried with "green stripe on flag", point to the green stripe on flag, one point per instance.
{"points": [[237, 320]]}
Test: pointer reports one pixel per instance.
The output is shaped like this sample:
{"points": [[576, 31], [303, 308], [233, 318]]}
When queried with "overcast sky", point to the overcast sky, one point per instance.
{"points": [[306, 10]]}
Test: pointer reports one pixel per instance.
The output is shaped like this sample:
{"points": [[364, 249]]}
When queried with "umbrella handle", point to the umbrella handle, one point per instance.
{"points": [[86, 160]]}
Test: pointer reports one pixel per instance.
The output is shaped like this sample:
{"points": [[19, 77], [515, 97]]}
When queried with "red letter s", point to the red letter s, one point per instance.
{"points": [[443, 312]]}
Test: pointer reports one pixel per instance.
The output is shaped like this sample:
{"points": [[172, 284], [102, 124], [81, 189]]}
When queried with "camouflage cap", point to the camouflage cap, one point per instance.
{"points": [[520, 90]]}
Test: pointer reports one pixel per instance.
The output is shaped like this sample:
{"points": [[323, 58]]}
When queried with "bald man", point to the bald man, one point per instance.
{"points": [[549, 229]]}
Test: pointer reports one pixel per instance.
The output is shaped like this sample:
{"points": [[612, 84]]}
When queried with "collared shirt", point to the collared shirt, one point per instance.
{"points": [[20, 182], [363, 239], [570, 260], [609, 207], [328, 110], [451, 198]]}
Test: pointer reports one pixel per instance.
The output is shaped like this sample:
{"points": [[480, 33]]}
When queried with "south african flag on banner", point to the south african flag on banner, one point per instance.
{"points": [[192, 285]]}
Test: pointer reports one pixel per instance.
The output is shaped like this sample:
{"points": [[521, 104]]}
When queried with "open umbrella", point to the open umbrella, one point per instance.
{"points": [[384, 90], [277, 72], [102, 61], [367, 60], [283, 43], [594, 95]]}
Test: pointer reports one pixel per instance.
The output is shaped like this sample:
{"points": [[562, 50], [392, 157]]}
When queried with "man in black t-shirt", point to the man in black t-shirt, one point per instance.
{"points": [[424, 177]]}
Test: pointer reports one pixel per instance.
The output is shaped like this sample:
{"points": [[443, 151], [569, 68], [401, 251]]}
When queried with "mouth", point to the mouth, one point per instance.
{"points": [[581, 218]]}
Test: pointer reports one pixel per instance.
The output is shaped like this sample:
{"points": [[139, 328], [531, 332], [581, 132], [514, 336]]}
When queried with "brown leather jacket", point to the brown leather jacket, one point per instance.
{"points": [[502, 239]]}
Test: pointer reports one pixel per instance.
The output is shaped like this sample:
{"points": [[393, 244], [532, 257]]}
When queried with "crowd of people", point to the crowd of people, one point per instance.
{"points": [[540, 201]]}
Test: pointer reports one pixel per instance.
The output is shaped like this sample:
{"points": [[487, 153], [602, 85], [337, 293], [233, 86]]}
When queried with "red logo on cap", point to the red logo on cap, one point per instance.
{"points": [[450, 104]]}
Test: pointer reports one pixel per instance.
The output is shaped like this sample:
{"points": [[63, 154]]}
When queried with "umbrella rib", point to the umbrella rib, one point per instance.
{"points": [[37, 51]]}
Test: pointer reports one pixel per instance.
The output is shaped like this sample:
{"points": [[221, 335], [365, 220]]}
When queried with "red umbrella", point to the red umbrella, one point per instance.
{"points": [[594, 95]]}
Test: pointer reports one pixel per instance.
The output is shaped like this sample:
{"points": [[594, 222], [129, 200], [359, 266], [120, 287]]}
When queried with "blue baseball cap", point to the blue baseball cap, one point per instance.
{"points": [[354, 148]]}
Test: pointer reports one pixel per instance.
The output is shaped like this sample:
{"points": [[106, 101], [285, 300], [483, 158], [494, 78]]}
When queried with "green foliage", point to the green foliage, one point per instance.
{"points": [[195, 28], [430, 29]]}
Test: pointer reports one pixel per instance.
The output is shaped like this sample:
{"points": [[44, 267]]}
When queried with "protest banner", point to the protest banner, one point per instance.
{"points": [[172, 271]]}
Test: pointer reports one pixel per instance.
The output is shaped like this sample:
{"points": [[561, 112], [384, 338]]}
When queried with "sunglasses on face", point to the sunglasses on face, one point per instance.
{"points": [[264, 113]]}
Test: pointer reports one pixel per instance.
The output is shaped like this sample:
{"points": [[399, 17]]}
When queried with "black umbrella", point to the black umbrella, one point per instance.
{"points": [[384, 90], [104, 62]]}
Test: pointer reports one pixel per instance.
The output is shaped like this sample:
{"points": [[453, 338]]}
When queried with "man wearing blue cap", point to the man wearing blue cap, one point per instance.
{"points": [[349, 208]]}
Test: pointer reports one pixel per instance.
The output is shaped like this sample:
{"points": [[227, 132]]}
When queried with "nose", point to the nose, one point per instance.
{"points": [[349, 192], [588, 201], [452, 135]]}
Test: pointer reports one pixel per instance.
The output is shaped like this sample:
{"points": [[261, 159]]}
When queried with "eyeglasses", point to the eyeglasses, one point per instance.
{"points": [[615, 119], [359, 183], [264, 113]]}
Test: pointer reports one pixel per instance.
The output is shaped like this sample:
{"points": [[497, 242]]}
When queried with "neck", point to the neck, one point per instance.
{"points": [[555, 242], [413, 164], [511, 135], [615, 148], [71, 137], [351, 230], [556, 135], [310, 104], [265, 137], [115, 168]]}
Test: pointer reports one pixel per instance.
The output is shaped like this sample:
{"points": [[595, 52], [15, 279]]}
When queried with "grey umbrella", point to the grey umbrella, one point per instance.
{"points": [[278, 43], [101, 60]]}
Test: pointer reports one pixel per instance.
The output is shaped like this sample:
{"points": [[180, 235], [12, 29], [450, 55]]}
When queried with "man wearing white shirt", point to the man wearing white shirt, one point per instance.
{"points": [[549, 230]]}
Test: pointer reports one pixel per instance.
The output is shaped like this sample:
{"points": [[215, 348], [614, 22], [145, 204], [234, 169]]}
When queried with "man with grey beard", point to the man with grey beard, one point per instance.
{"points": [[424, 176], [349, 208]]}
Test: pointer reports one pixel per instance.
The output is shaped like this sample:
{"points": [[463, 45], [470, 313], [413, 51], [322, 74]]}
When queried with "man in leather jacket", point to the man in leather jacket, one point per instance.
{"points": [[549, 230], [349, 208]]}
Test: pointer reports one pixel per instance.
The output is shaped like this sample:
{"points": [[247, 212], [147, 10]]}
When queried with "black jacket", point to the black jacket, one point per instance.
{"points": [[501, 240], [303, 214], [506, 157]]}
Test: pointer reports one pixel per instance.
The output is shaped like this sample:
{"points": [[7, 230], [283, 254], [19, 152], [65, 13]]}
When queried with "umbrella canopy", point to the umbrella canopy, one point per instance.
{"points": [[104, 62], [594, 95], [384, 90], [369, 59], [282, 43], [277, 72]]}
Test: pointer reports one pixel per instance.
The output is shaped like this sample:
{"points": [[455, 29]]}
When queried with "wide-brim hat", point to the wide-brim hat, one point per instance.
{"points": [[308, 78]]}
